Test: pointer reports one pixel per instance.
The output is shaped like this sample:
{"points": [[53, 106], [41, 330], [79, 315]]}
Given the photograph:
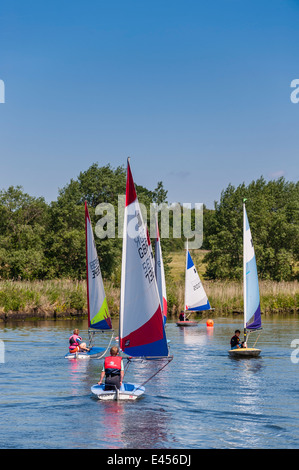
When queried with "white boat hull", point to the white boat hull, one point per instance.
{"points": [[244, 352], [127, 392], [94, 352]]}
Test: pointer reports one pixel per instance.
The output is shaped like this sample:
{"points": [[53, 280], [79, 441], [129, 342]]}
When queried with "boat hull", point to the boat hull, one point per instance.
{"points": [[244, 352], [94, 352], [187, 323], [127, 392]]}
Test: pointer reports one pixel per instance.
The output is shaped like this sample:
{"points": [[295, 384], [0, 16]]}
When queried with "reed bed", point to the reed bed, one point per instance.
{"points": [[60, 298]]}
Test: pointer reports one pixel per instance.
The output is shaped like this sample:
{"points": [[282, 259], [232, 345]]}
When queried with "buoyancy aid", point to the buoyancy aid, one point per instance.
{"points": [[234, 341], [73, 342], [112, 365]]}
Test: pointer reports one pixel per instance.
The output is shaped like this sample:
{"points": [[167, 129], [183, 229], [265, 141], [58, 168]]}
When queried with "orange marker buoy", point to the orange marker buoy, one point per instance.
{"points": [[210, 323]]}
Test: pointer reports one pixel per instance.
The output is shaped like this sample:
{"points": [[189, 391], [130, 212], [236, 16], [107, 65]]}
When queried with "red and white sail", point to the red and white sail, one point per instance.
{"points": [[160, 274], [141, 323]]}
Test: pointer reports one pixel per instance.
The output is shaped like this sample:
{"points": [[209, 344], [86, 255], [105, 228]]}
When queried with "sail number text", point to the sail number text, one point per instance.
{"points": [[145, 256]]}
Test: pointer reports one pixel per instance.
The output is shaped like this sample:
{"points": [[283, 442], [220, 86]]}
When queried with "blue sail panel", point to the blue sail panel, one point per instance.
{"points": [[253, 311], [200, 308], [189, 261]]}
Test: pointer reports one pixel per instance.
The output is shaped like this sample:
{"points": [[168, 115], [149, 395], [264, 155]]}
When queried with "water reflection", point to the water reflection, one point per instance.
{"points": [[193, 335], [110, 427], [147, 429], [210, 330], [77, 374], [247, 401]]}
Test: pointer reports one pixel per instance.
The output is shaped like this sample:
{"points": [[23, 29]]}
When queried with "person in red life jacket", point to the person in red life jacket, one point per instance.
{"points": [[113, 370], [235, 341], [182, 317], [76, 343]]}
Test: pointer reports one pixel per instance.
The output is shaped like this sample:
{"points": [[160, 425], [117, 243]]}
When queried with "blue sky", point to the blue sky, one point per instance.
{"points": [[197, 92]]}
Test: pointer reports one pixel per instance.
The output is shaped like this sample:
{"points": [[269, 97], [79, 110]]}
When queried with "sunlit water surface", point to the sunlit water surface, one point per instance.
{"points": [[202, 399]]}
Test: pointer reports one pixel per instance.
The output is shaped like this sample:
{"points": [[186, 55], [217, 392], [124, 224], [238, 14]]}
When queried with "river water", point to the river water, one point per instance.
{"points": [[203, 399]]}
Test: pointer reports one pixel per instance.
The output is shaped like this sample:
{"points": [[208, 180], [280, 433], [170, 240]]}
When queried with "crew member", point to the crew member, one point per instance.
{"points": [[113, 370], [76, 343], [235, 341]]}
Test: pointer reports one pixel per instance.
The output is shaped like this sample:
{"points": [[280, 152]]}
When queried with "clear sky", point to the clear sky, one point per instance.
{"points": [[196, 92]]}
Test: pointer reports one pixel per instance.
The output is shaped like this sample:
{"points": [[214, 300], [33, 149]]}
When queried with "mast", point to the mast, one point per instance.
{"points": [[244, 270], [86, 254], [187, 250]]}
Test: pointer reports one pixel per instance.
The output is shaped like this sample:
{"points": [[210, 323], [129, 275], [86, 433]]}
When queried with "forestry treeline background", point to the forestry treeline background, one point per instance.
{"points": [[41, 241]]}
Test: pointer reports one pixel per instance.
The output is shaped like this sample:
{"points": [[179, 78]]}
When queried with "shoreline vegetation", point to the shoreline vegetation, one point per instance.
{"points": [[40, 241], [66, 298]]}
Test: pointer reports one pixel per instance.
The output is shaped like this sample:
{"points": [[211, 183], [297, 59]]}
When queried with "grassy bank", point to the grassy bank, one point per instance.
{"points": [[65, 298]]}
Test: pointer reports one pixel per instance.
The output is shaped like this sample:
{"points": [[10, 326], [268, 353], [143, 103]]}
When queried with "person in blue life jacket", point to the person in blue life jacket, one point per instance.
{"points": [[235, 341], [113, 370]]}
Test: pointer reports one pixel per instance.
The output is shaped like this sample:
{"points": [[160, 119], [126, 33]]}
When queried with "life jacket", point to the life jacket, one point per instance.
{"points": [[74, 343], [112, 365], [234, 341]]}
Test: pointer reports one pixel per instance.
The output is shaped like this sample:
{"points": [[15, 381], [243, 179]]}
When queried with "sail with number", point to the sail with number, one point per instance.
{"points": [[252, 309], [160, 275], [195, 296], [98, 314], [141, 324]]}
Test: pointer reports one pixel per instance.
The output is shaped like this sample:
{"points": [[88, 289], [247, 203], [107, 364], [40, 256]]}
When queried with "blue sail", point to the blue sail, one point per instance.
{"points": [[195, 296], [252, 296]]}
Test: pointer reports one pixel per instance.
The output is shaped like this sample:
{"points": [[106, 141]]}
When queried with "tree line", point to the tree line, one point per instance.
{"points": [[40, 240]]}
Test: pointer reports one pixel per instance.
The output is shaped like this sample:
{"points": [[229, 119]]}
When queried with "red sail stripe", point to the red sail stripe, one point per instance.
{"points": [[130, 187], [150, 332]]}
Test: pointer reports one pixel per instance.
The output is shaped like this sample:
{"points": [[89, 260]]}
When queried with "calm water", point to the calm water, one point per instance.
{"points": [[202, 399]]}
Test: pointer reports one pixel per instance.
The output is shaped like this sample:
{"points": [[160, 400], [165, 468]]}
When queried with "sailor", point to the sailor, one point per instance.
{"points": [[113, 370], [235, 341], [182, 317], [76, 343]]}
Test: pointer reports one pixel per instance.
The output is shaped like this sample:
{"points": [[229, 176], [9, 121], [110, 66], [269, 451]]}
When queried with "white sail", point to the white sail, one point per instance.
{"points": [[195, 296], [141, 324], [160, 274], [98, 314], [252, 310]]}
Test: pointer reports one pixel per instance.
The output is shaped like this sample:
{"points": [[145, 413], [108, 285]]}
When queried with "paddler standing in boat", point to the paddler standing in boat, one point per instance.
{"points": [[113, 370]]}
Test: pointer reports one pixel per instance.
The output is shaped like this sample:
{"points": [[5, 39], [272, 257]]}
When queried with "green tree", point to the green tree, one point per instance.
{"points": [[23, 221], [272, 210]]}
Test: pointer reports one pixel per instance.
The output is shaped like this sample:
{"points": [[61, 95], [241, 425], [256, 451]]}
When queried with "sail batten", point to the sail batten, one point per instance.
{"points": [[141, 325], [98, 313]]}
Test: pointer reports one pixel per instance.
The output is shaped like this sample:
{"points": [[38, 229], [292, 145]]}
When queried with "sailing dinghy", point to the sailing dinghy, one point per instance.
{"points": [[252, 309], [160, 274], [196, 299], [141, 325], [98, 315]]}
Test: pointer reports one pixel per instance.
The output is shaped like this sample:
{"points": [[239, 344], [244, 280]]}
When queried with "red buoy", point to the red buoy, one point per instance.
{"points": [[210, 322]]}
